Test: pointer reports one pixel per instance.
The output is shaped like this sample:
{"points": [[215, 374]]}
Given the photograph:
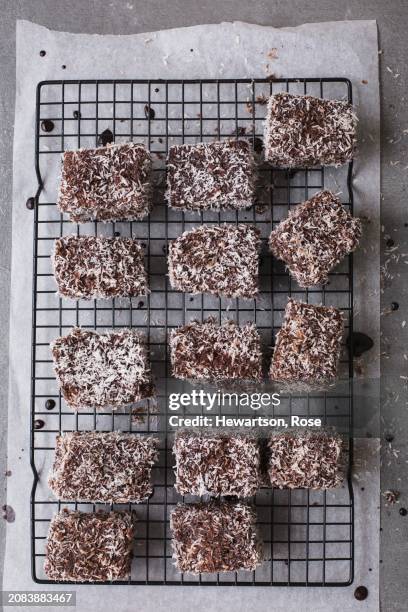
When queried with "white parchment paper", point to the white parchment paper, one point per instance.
{"points": [[226, 50]]}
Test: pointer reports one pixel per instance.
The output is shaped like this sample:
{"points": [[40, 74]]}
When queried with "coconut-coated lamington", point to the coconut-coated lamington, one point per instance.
{"points": [[102, 370], [103, 467], [315, 237], [211, 176], [110, 183], [219, 259], [305, 131], [89, 547], [215, 537], [305, 459], [208, 351], [308, 344], [217, 464], [87, 267]]}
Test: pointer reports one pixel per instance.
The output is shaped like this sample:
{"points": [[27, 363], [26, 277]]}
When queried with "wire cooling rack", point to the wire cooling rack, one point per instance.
{"points": [[308, 535]]}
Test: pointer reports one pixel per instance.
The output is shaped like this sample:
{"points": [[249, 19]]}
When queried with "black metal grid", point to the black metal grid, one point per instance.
{"points": [[308, 534]]}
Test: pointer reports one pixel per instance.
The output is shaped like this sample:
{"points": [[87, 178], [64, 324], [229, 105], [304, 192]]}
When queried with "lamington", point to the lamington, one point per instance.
{"points": [[308, 344], [100, 467], [305, 459], [217, 464], [102, 370], [211, 176], [207, 351], [215, 537], [219, 259], [315, 237], [89, 547], [305, 131], [87, 267], [111, 183]]}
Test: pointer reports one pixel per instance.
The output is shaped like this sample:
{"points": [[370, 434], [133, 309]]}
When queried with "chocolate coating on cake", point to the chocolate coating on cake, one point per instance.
{"points": [[102, 370], [315, 237], [94, 547], [109, 183], [207, 351], [305, 460], [304, 131], [101, 467], [87, 267], [211, 176], [222, 260], [308, 344], [215, 537], [217, 464]]}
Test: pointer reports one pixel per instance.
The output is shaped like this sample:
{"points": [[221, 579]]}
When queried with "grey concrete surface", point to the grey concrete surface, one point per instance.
{"points": [[131, 16]]}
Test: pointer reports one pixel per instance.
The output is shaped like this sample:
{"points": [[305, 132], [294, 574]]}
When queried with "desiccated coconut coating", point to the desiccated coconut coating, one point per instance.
{"points": [[304, 131], [207, 351], [87, 267], [215, 537], [308, 344], [305, 460], [215, 175], [93, 547], [102, 370], [217, 464], [222, 260], [315, 237], [92, 466], [110, 183]]}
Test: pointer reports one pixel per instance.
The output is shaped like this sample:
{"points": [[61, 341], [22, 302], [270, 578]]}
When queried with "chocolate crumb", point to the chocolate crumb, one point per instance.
{"points": [[360, 343], [361, 593], [47, 125], [8, 514], [149, 112], [105, 138], [391, 496]]}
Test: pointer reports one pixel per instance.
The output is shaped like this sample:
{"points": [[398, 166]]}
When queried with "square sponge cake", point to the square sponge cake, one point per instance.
{"points": [[315, 237], [305, 131], [211, 176], [215, 537], [89, 547], [110, 183]]}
